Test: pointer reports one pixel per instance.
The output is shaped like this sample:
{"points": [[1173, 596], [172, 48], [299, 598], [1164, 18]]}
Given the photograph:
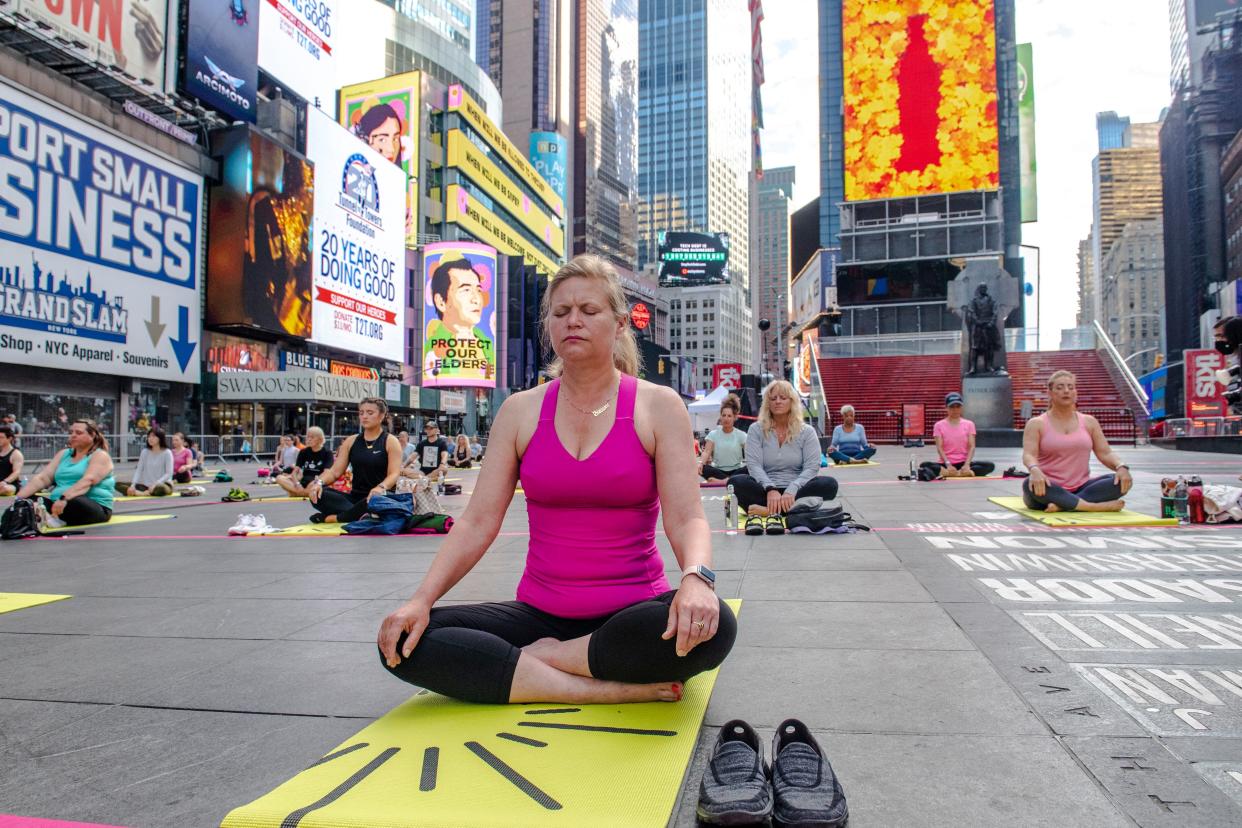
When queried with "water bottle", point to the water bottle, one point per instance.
{"points": [[440, 487], [730, 512], [913, 469], [1181, 501]]}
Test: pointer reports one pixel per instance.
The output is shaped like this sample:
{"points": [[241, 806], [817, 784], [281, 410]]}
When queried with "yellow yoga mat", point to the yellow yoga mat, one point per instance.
{"points": [[1123, 518], [304, 529], [437, 762], [10, 601], [853, 465], [116, 521], [277, 499]]}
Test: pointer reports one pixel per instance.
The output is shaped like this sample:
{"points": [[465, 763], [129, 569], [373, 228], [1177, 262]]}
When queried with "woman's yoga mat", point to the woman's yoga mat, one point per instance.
{"points": [[304, 529], [852, 465], [277, 499], [1123, 518], [10, 601], [435, 761], [713, 484], [116, 521]]}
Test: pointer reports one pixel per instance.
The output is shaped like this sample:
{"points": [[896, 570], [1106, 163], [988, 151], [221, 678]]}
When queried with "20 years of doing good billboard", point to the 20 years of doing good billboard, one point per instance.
{"points": [[99, 249], [359, 244]]}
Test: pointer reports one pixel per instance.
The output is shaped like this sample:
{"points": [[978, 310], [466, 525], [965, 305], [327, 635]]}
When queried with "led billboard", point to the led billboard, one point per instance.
{"points": [[1026, 134], [384, 114], [459, 312], [920, 97], [259, 250], [688, 259], [359, 244], [296, 47], [222, 57]]}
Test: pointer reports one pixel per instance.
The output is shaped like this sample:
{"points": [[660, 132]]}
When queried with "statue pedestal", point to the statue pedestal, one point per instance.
{"points": [[989, 401]]}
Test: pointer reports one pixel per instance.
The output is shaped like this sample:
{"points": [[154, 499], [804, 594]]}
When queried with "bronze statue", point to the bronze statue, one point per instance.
{"points": [[980, 316]]}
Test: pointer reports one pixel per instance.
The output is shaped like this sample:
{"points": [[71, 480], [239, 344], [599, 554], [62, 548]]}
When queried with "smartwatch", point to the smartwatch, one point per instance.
{"points": [[703, 572]]}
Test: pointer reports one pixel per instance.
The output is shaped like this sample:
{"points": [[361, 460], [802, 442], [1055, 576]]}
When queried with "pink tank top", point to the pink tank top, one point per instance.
{"points": [[1065, 459], [592, 522]]}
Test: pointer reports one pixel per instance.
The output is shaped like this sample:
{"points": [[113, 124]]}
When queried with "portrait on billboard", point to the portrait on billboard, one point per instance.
{"points": [[258, 257], [384, 115], [920, 98], [459, 309]]}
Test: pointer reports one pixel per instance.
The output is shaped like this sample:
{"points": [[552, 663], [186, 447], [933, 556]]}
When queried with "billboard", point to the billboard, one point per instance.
{"points": [[549, 152], [808, 353], [222, 57], [259, 270], [467, 211], [296, 47], [727, 375], [459, 314], [1155, 383], [1205, 397], [919, 97], [384, 114], [128, 34], [223, 354], [99, 244], [1026, 134], [814, 288], [688, 259], [359, 244]]}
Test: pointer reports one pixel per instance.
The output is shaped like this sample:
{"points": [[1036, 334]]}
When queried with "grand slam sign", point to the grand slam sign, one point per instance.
{"points": [[98, 249]]}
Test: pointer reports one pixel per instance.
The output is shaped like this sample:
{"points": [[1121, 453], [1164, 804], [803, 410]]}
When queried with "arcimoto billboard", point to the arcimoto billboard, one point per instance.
{"points": [[99, 244], [920, 105], [259, 270], [222, 57], [459, 313], [359, 244]]}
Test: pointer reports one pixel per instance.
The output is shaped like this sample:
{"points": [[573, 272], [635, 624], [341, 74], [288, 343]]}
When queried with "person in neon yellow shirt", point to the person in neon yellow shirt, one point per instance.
{"points": [[456, 345]]}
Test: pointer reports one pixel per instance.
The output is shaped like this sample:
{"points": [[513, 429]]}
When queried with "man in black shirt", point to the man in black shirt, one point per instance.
{"points": [[311, 461], [432, 452]]}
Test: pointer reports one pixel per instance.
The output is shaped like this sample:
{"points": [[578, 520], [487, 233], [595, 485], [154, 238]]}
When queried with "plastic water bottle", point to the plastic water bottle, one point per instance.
{"points": [[913, 468], [1181, 501], [440, 487], [730, 512]]}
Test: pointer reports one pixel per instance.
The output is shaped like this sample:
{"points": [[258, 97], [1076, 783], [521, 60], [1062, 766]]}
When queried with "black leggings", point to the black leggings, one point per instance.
{"points": [[347, 507], [470, 652], [1096, 490], [979, 467], [713, 473], [80, 511], [750, 493]]}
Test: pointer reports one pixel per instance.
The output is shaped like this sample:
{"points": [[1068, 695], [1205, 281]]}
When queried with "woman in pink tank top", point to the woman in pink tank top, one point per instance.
{"points": [[1057, 446], [598, 454]]}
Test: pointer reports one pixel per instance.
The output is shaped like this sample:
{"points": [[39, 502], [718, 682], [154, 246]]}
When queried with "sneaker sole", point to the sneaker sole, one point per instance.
{"points": [[816, 823], [733, 817], [775, 530]]}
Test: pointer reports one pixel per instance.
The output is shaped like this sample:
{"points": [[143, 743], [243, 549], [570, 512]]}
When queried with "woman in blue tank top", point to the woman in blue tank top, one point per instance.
{"points": [[80, 478]]}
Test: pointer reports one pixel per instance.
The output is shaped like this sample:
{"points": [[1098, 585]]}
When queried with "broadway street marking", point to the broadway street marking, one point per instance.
{"points": [[1133, 632]]}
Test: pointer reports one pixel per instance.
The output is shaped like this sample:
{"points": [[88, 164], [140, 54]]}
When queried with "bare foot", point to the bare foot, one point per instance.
{"points": [[967, 473], [762, 511], [1103, 506], [617, 692], [1052, 507], [544, 649]]}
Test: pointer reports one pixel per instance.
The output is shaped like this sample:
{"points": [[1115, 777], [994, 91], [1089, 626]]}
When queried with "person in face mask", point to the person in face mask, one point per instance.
{"points": [[1228, 333]]}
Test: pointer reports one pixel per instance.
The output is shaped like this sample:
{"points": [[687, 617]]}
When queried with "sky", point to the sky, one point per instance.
{"points": [[1089, 56]]}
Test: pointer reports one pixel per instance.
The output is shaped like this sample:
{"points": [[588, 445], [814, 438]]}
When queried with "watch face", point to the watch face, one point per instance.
{"points": [[707, 573]]}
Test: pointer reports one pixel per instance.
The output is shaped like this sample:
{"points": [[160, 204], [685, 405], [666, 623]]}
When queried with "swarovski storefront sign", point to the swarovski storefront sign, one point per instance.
{"points": [[267, 386]]}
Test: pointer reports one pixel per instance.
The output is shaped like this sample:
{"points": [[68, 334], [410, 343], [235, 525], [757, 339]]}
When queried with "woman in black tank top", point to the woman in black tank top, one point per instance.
{"points": [[11, 462], [373, 456]]}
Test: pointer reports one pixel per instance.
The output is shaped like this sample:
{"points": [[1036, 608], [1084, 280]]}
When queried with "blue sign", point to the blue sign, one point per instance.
{"points": [[1154, 384], [222, 56], [549, 152]]}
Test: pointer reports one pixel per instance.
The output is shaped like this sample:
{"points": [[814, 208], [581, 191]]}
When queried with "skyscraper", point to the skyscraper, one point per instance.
{"points": [[1110, 130], [769, 262], [1132, 293], [694, 152], [831, 126]]}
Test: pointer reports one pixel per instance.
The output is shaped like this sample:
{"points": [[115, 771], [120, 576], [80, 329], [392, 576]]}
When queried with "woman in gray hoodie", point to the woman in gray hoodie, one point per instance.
{"points": [[155, 469]]}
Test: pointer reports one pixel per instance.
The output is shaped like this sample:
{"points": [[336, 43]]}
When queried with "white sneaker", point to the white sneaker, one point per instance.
{"points": [[261, 526], [243, 526], [54, 522]]}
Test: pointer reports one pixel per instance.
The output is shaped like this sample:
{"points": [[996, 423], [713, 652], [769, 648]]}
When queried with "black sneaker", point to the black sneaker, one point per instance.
{"points": [[735, 789], [807, 792]]}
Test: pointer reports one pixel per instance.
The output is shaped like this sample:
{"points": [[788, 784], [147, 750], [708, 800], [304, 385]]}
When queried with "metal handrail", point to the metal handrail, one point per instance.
{"points": [[1126, 373]]}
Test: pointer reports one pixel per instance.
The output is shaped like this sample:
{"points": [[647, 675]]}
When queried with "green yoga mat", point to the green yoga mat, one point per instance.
{"points": [[437, 762]]}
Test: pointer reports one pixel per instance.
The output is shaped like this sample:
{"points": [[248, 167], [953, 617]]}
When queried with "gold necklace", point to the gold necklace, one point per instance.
{"points": [[594, 412]]}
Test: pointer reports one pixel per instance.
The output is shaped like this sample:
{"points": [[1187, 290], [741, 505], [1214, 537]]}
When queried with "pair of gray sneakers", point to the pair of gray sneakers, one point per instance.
{"points": [[799, 789]]}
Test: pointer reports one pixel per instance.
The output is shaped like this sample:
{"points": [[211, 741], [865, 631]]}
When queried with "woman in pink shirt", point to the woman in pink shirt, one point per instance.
{"points": [[599, 454], [1057, 446], [955, 442]]}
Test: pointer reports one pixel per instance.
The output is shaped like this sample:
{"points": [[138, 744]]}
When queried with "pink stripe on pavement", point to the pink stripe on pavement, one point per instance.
{"points": [[11, 821]]}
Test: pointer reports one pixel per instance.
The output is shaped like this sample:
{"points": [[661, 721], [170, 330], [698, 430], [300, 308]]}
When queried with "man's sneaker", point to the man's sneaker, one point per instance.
{"points": [[193, 491], [807, 792], [735, 789], [243, 526], [236, 495]]}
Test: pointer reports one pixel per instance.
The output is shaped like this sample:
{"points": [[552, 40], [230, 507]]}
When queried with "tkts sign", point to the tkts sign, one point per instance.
{"points": [[1204, 394]]}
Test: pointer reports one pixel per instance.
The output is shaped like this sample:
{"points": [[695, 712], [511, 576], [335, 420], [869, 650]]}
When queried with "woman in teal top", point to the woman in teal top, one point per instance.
{"points": [[80, 477], [725, 452]]}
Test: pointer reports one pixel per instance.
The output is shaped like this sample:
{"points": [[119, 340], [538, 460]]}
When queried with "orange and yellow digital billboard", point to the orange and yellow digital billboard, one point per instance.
{"points": [[920, 97]]}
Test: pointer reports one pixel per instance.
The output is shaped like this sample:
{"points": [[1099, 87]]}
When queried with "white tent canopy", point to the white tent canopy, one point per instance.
{"points": [[705, 412]]}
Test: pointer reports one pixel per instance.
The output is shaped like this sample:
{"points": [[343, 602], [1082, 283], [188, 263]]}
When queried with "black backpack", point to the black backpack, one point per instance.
{"points": [[18, 521], [821, 520]]}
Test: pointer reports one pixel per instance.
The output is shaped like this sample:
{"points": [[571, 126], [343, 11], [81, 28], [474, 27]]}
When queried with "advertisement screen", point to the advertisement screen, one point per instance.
{"points": [[222, 57], [126, 33], [459, 315], [359, 243], [1205, 397], [1026, 134], [259, 270], [808, 352], [693, 258], [99, 244], [920, 97], [727, 375], [384, 114], [223, 354], [296, 47], [549, 152]]}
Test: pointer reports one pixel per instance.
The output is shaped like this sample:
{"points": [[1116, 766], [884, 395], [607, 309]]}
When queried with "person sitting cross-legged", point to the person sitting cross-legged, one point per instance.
{"points": [[80, 477], [154, 474], [849, 440], [725, 453], [782, 462], [11, 462], [372, 456], [1057, 447], [955, 442], [309, 464]]}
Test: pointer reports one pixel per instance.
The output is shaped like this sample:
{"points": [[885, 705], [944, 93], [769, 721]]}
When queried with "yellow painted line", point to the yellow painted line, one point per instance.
{"points": [[10, 601]]}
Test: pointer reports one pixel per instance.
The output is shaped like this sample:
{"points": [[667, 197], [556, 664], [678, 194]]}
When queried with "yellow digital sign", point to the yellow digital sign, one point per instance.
{"points": [[460, 101], [466, 211], [920, 102], [483, 171]]}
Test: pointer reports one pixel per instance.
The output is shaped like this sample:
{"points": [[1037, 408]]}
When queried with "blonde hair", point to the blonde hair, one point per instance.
{"points": [[625, 355], [313, 430], [785, 388], [1056, 375], [457, 441]]}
